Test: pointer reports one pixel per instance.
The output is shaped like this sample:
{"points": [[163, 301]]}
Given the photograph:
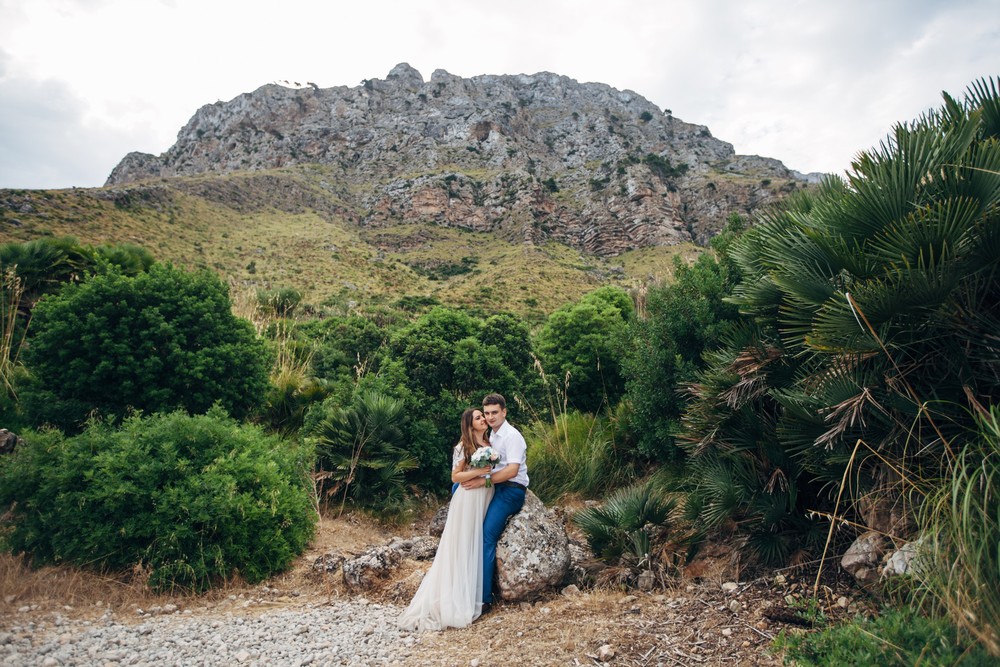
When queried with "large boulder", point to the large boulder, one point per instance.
{"points": [[533, 553]]}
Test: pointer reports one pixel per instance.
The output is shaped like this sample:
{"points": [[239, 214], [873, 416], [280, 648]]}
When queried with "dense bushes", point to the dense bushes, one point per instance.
{"points": [[873, 303], [158, 341], [664, 345], [196, 500], [580, 341]]}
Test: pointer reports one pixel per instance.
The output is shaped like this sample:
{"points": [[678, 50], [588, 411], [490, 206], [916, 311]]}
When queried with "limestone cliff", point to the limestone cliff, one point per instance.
{"points": [[529, 157]]}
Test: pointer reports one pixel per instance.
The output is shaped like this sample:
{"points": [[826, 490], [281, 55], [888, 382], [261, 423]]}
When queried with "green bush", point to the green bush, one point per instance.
{"points": [[360, 449], [872, 304], [896, 638], [196, 500], [629, 526], [159, 341], [664, 347], [581, 339]]}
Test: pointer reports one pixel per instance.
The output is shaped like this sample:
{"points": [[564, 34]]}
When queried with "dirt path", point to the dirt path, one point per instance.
{"points": [[708, 621]]}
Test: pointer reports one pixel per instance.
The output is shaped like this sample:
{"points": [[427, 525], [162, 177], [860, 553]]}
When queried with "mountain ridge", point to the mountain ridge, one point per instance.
{"points": [[532, 158]]}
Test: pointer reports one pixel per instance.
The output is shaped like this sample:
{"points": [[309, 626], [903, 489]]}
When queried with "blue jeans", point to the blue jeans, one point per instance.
{"points": [[506, 501]]}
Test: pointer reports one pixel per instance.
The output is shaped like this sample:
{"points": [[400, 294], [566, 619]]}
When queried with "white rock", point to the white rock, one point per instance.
{"points": [[730, 586]]}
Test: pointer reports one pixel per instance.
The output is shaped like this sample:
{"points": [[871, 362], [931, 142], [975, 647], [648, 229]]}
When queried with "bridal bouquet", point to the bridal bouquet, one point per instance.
{"points": [[485, 457]]}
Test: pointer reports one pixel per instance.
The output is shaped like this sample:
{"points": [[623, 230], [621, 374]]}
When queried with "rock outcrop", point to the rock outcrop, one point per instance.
{"points": [[531, 157], [533, 553]]}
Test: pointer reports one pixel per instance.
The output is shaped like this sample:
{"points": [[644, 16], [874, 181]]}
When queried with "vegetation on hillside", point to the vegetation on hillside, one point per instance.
{"points": [[833, 363]]}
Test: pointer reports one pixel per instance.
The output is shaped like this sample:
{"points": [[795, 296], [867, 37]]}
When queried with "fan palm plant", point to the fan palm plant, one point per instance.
{"points": [[876, 307], [630, 524], [360, 449]]}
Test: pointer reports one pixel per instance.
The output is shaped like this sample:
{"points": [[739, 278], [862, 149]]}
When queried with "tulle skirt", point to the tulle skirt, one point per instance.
{"points": [[451, 593]]}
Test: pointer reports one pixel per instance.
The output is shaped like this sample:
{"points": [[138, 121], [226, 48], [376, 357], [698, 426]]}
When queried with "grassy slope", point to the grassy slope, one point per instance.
{"points": [[333, 261]]}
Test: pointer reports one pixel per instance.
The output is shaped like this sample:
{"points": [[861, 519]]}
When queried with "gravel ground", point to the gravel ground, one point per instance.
{"points": [[353, 632]]}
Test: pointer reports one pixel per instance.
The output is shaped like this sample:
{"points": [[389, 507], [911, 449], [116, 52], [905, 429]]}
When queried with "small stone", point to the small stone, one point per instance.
{"points": [[730, 586], [9, 599], [779, 580], [546, 610], [627, 599], [735, 606], [842, 602], [474, 662], [169, 609], [50, 662], [605, 653], [242, 655], [789, 600], [727, 632], [572, 589]]}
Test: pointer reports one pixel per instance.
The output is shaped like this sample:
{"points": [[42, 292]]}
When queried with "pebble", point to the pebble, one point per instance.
{"points": [[350, 633]]}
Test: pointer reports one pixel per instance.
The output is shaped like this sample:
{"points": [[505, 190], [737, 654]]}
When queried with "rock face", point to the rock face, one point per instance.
{"points": [[531, 157], [533, 553]]}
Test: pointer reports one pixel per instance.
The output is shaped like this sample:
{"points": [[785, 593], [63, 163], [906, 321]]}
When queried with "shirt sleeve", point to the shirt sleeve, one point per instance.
{"points": [[517, 449]]}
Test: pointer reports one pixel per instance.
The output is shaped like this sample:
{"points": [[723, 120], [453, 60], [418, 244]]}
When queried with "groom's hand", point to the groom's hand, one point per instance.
{"points": [[474, 483]]}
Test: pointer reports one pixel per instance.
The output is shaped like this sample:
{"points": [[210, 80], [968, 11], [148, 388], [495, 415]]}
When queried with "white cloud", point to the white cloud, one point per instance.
{"points": [[808, 83]]}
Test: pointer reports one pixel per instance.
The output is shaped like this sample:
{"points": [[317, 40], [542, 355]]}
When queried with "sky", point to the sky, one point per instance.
{"points": [[811, 83]]}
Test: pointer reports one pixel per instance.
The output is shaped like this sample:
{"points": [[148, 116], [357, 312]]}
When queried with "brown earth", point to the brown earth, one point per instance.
{"points": [[687, 620]]}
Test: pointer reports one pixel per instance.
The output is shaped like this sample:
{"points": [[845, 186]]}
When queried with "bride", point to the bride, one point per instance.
{"points": [[451, 593]]}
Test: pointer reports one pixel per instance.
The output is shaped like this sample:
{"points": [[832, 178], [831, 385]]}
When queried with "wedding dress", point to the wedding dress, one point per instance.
{"points": [[451, 593]]}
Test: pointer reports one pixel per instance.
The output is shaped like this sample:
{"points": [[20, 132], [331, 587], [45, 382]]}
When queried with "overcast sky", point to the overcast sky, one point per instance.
{"points": [[811, 83]]}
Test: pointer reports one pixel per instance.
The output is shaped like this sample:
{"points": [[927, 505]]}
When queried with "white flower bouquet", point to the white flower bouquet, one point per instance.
{"points": [[485, 457]]}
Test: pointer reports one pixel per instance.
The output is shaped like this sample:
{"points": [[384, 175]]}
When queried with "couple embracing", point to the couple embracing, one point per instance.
{"points": [[459, 586]]}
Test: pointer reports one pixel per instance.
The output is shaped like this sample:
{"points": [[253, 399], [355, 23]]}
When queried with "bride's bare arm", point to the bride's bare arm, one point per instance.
{"points": [[463, 473]]}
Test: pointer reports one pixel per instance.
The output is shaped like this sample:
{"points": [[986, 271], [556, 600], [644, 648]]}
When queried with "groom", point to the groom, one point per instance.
{"points": [[510, 479]]}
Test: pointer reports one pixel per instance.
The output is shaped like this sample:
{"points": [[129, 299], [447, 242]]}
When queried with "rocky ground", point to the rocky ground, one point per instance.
{"points": [[58, 616]]}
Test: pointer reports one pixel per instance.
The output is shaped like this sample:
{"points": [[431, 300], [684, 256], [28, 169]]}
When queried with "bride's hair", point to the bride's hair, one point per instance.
{"points": [[469, 444]]}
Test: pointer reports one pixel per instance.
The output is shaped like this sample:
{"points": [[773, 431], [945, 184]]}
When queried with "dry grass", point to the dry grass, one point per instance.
{"points": [[690, 621], [228, 224]]}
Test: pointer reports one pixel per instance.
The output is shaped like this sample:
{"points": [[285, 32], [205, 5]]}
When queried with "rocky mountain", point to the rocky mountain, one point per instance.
{"points": [[532, 158]]}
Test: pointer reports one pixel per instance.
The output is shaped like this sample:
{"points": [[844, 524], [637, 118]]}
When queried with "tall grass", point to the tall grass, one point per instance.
{"points": [[11, 338], [293, 386], [574, 453], [961, 539]]}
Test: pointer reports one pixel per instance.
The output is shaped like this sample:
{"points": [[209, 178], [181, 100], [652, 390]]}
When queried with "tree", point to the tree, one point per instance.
{"points": [[581, 339], [158, 341]]}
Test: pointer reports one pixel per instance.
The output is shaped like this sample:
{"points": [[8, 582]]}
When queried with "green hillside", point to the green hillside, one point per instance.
{"points": [[288, 228]]}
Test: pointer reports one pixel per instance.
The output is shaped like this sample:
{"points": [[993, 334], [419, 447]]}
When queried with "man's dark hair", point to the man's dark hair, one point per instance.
{"points": [[494, 399]]}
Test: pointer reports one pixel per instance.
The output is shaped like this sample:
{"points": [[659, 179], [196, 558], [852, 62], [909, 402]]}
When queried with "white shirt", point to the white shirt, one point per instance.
{"points": [[510, 445]]}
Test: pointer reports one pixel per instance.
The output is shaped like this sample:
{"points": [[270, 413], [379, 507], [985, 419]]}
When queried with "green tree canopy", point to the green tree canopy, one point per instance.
{"points": [[582, 339], [157, 341]]}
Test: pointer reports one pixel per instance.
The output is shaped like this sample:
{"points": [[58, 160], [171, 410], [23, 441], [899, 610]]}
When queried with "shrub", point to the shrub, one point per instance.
{"points": [[360, 449], [896, 638], [629, 525], [159, 341], [196, 500]]}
